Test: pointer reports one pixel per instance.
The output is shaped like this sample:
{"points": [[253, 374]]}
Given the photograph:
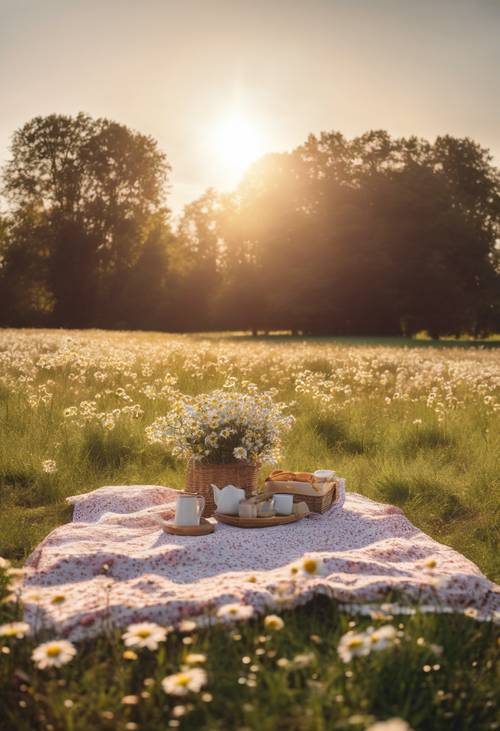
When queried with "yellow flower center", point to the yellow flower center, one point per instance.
{"points": [[182, 679], [143, 633], [355, 642], [53, 650], [310, 565]]}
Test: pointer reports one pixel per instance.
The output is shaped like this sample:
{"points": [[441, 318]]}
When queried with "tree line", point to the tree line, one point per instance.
{"points": [[372, 235]]}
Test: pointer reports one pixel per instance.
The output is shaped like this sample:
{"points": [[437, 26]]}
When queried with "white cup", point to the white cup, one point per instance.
{"points": [[283, 504], [188, 508]]}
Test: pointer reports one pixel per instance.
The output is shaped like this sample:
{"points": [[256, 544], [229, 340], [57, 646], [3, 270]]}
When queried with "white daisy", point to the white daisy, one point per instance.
{"points": [[14, 629], [235, 611], [49, 466], [195, 658], [311, 566], [53, 654], [184, 682], [144, 634], [392, 724], [240, 453], [352, 644], [273, 622], [382, 637]]}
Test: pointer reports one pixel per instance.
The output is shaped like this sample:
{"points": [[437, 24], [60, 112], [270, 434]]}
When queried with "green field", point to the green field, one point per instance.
{"points": [[412, 426]]}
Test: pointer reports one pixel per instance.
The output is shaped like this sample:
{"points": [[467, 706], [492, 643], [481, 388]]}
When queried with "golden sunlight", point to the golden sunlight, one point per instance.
{"points": [[237, 142]]}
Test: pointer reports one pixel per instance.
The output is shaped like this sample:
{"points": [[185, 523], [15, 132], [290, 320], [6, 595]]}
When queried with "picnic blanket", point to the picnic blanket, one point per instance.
{"points": [[114, 565]]}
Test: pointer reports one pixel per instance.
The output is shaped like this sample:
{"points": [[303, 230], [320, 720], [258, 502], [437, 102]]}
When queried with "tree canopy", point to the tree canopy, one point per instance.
{"points": [[373, 235]]}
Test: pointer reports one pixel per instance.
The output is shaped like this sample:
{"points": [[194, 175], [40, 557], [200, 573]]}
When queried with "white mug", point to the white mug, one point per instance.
{"points": [[189, 508], [283, 504]]}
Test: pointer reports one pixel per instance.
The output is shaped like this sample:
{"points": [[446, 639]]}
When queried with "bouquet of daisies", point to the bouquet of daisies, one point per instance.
{"points": [[224, 426]]}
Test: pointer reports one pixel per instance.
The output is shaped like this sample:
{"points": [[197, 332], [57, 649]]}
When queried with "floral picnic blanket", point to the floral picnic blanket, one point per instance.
{"points": [[114, 565]]}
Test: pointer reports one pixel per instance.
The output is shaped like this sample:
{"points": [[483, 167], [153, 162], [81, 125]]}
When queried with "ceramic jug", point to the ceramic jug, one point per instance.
{"points": [[188, 508]]}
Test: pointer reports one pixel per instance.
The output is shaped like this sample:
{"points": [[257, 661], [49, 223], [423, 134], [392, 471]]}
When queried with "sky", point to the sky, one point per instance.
{"points": [[218, 82]]}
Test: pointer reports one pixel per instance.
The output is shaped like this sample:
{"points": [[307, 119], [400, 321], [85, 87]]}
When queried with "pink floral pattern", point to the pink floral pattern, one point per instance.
{"points": [[115, 565]]}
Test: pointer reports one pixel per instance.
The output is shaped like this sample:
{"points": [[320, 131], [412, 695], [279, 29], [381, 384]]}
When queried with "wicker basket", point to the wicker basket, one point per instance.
{"points": [[200, 476], [315, 503]]}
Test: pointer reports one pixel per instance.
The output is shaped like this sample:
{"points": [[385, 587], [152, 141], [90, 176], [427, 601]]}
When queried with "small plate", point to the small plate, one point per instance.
{"points": [[203, 529]]}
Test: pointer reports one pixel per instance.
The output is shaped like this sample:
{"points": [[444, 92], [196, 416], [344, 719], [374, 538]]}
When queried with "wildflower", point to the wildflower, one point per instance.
{"points": [[235, 611], [392, 724], [49, 466], [14, 629], [273, 622], [53, 654], [303, 660], [130, 700], [240, 452], [193, 658], [144, 634], [352, 644], [184, 682], [130, 655], [311, 566], [383, 636], [187, 625]]}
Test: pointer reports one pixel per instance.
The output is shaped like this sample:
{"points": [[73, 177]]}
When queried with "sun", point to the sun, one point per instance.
{"points": [[237, 141]]}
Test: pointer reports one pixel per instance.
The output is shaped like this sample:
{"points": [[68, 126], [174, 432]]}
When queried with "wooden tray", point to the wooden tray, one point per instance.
{"points": [[257, 522], [203, 529]]}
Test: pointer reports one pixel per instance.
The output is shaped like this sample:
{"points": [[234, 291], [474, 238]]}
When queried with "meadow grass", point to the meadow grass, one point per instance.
{"points": [[413, 427]]}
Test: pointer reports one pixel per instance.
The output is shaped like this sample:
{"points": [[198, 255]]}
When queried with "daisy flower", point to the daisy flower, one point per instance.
{"points": [[194, 658], [235, 611], [187, 625], [382, 637], [392, 724], [352, 644], [14, 629], [144, 634], [184, 682], [240, 452], [49, 466], [53, 654], [311, 566], [273, 622]]}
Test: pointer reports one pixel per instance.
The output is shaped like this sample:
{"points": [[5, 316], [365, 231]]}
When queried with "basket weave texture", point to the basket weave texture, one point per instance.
{"points": [[315, 503], [200, 477]]}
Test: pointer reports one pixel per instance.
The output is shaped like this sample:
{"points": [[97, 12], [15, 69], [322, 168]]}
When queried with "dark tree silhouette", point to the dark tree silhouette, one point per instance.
{"points": [[82, 192], [373, 235]]}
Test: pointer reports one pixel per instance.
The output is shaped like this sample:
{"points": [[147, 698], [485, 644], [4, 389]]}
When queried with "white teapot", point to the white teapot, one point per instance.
{"points": [[228, 499]]}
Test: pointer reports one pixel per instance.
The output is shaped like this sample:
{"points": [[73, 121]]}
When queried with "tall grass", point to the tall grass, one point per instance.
{"points": [[439, 464]]}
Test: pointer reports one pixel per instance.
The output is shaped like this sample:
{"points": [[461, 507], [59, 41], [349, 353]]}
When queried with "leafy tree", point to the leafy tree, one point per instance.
{"points": [[88, 188]]}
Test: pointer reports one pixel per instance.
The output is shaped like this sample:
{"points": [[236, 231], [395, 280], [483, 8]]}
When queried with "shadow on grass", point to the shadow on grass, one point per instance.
{"points": [[433, 502], [102, 450], [17, 477], [337, 437], [427, 437], [22, 528]]}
